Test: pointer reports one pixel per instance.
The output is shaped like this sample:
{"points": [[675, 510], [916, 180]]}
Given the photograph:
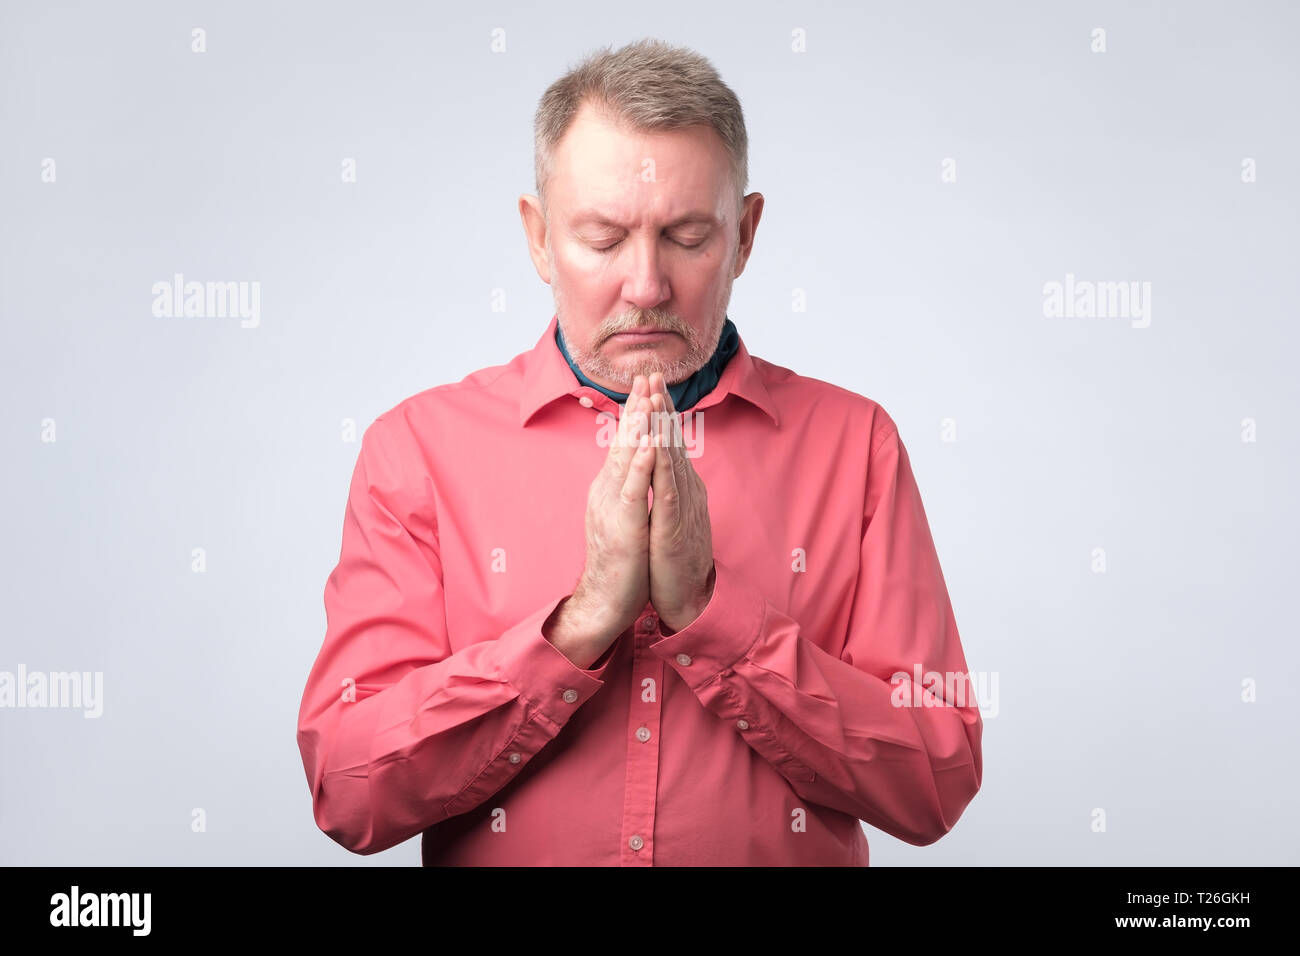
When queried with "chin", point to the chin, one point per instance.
{"points": [[644, 361]]}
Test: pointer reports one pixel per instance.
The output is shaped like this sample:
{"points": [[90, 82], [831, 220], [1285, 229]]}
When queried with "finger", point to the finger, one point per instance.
{"points": [[625, 414], [665, 481], [678, 441], [641, 429], [616, 454], [632, 424], [625, 419], [672, 432], [662, 388], [638, 402], [637, 484]]}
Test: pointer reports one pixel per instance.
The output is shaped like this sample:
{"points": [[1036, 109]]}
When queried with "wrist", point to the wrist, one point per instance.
{"points": [[578, 633], [691, 612]]}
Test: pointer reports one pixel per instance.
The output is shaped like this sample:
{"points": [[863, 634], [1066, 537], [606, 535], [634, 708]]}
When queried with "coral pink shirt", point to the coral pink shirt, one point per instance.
{"points": [[760, 734]]}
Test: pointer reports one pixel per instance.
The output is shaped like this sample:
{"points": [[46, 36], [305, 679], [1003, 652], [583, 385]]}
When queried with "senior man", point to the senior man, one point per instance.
{"points": [[638, 597]]}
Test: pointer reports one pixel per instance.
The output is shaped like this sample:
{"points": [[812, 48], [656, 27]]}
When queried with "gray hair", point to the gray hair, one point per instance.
{"points": [[650, 86]]}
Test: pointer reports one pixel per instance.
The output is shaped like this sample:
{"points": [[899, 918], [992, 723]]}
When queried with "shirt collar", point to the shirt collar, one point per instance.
{"points": [[547, 378]]}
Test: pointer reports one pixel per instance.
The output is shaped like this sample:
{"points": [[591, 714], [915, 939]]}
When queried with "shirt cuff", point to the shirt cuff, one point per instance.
{"points": [[539, 670], [724, 632]]}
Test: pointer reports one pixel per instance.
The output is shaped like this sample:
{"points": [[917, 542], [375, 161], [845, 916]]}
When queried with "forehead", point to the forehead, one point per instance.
{"points": [[606, 170]]}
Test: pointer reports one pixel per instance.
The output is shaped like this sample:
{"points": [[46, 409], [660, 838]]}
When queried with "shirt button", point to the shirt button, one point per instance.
{"points": [[649, 623], [585, 402], [742, 724], [570, 696], [636, 843], [643, 734], [514, 758], [684, 660]]}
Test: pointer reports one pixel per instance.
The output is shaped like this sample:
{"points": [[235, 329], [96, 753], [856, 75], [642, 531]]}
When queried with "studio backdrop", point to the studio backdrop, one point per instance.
{"points": [[1056, 242]]}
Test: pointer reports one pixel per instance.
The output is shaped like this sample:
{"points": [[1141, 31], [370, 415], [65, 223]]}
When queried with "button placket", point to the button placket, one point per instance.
{"points": [[641, 789]]}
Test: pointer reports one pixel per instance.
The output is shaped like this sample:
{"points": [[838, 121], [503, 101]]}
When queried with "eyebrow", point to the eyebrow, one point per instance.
{"points": [[593, 217]]}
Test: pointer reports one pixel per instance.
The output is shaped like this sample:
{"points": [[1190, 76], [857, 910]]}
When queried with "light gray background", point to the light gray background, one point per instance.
{"points": [[1120, 691]]}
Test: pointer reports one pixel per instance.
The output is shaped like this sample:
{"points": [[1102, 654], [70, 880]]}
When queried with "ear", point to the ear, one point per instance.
{"points": [[530, 213], [751, 212]]}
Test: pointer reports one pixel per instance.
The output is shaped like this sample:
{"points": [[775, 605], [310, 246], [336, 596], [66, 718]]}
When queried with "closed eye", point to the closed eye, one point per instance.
{"points": [[683, 245]]}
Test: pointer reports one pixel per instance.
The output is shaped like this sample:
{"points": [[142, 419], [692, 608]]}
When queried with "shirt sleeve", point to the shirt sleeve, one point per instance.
{"points": [[397, 732], [888, 730]]}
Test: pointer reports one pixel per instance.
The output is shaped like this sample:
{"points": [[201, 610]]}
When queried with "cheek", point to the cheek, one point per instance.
{"points": [[704, 280], [585, 274]]}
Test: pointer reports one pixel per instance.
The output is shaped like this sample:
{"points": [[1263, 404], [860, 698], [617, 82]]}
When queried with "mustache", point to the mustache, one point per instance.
{"points": [[656, 319]]}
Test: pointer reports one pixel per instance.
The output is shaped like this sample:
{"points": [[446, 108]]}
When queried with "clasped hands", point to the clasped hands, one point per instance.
{"points": [[661, 552]]}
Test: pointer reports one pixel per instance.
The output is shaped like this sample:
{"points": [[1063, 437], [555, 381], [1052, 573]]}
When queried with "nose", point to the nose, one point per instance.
{"points": [[646, 284]]}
